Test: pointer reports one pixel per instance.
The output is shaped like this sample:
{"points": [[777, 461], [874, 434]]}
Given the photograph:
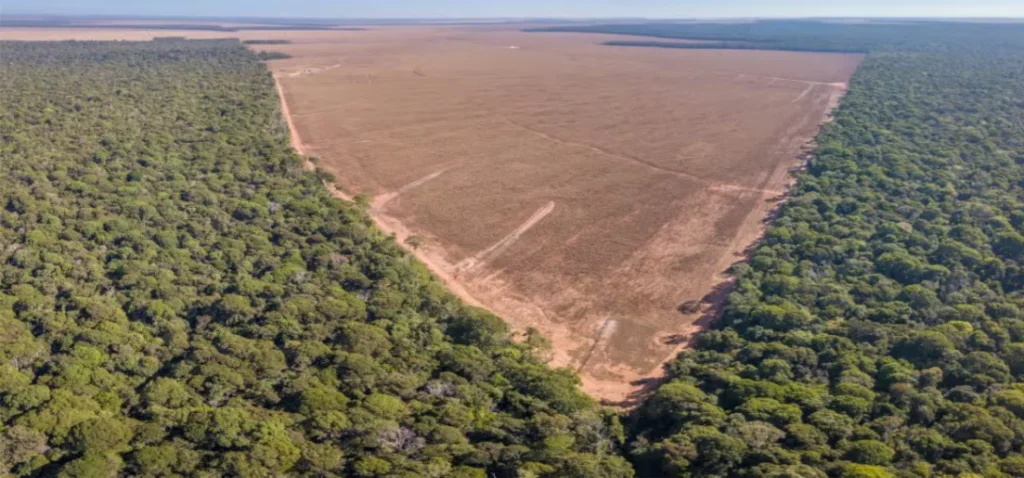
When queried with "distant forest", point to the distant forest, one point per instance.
{"points": [[179, 297], [878, 330], [197, 25], [266, 42], [813, 35]]}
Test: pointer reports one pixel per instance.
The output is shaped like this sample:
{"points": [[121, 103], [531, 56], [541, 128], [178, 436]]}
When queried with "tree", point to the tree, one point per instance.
{"points": [[99, 435], [414, 241], [870, 452]]}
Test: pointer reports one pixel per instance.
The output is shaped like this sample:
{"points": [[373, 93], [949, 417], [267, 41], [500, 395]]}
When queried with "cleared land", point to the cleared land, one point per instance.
{"points": [[595, 193], [584, 190]]}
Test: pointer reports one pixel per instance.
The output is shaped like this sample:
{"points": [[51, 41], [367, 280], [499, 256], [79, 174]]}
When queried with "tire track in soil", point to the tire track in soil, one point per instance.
{"points": [[604, 334], [483, 257], [312, 71], [803, 93], [380, 201], [712, 186], [603, 151]]}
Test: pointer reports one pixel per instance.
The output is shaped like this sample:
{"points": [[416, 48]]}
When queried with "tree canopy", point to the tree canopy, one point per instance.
{"points": [[179, 297]]}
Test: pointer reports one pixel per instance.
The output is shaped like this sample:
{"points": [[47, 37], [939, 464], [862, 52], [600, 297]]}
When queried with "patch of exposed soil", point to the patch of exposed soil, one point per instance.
{"points": [[595, 194]]}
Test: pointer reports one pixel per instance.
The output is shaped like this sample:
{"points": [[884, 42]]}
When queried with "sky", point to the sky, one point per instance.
{"points": [[522, 8]]}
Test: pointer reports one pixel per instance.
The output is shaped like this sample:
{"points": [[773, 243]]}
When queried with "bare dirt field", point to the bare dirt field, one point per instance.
{"points": [[594, 193]]}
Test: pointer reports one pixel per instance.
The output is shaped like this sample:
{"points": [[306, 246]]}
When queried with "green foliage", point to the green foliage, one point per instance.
{"points": [[179, 297], [870, 452], [272, 55], [99, 435], [813, 35], [266, 42]]}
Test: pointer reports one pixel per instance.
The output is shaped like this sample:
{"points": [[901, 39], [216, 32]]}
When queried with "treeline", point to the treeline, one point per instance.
{"points": [[878, 330], [31, 22], [272, 55], [815, 35], [717, 45], [266, 42], [179, 297]]}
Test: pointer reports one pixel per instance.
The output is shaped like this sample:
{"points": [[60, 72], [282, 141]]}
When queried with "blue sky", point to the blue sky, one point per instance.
{"points": [[523, 8]]}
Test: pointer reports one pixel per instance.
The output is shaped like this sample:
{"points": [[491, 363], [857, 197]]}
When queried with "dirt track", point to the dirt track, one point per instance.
{"points": [[584, 190]]}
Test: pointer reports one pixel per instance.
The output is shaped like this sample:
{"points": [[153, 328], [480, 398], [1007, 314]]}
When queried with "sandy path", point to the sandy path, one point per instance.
{"points": [[292, 130]]}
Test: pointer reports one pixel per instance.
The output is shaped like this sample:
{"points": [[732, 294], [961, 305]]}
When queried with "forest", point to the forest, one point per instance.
{"points": [[266, 42], [99, 22], [817, 35], [179, 297]]}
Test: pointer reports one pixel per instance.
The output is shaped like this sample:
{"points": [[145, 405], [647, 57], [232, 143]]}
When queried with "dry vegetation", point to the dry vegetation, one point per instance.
{"points": [[595, 193]]}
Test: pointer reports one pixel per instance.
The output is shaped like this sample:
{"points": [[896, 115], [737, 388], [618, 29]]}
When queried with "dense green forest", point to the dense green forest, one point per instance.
{"points": [[262, 24], [815, 35], [271, 55], [179, 297], [266, 42], [878, 330]]}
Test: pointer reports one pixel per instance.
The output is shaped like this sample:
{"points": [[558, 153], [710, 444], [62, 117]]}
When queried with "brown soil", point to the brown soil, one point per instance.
{"points": [[583, 190], [385, 223], [591, 192]]}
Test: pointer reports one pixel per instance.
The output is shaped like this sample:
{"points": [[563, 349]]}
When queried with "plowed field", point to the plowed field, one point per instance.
{"points": [[584, 190]]}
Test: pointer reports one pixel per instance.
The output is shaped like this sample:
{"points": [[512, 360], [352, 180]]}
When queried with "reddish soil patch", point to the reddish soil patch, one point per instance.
{"points": [[583, 190]]}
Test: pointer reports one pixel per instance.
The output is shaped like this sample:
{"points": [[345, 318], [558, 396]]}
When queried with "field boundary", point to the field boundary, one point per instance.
{"points": [[383, 222]]}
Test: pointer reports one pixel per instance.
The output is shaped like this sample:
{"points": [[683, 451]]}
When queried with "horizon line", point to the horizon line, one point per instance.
{"points": [[3, 15]]}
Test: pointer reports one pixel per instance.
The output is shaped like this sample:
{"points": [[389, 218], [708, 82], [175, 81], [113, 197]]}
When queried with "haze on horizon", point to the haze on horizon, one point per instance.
{"points": [[523, 8]]}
